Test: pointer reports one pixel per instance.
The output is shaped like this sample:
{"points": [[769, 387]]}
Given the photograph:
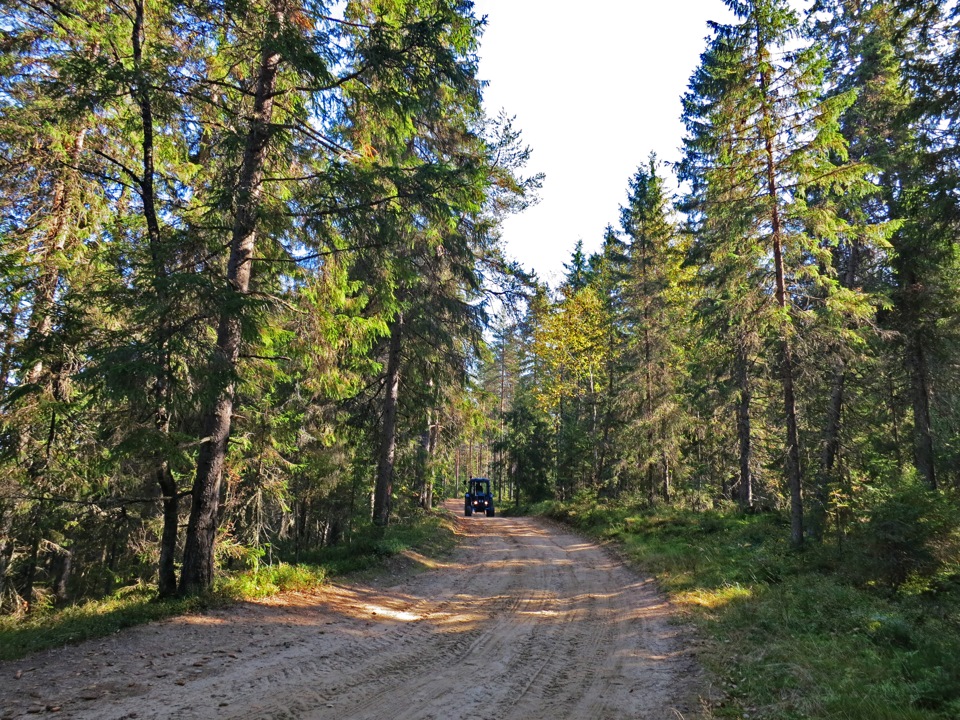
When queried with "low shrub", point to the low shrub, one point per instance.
{"points": [[910, 536]]}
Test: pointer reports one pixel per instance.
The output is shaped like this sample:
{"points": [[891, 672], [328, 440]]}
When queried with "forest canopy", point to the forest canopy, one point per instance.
{"points": [[255, 300]]}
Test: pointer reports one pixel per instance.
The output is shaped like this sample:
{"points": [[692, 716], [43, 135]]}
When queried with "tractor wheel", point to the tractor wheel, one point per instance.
{"points": [[468, 511], [490, 512]]}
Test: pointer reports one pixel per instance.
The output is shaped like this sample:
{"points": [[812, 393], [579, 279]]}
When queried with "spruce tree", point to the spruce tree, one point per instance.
{"points": [[762, 141], [653, 317], [899, 125]]}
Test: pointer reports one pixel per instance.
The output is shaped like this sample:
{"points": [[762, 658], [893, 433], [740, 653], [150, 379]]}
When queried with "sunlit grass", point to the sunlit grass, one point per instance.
{"points": [[270, 580], [713, 599]]}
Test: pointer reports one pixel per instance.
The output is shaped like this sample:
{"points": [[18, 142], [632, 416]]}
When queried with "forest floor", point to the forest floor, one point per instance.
{"points": [[525, 620]]}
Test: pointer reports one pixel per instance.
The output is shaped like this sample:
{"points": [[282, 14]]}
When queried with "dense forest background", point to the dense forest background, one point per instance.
{"points": [[255, 303]]}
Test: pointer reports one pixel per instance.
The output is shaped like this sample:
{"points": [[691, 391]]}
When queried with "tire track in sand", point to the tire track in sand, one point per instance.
{"points": [[525, 622]]}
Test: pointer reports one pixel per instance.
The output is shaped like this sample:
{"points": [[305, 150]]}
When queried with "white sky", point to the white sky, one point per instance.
{"points": [[595, 88]]}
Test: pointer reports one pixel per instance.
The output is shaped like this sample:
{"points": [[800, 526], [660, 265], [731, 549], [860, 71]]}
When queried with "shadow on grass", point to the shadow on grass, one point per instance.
{"points": [[89, 620]]}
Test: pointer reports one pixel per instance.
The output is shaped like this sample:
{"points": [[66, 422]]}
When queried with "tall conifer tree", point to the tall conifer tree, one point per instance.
{"points": [[761, 142]]}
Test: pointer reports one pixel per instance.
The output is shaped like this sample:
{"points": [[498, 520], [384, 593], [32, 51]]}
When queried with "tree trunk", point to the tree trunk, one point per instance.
{"points": [[6, 546], [894, 407], [831, 436], [919, 372], [651, 480], [456, 470], [198, 555], [469, 467], [665, 461], [501, 466], [745, 483], [33, 557], [607, 416], [594, 432], [383, 492], [54, 243], [794, 478], [61, 565], [167, 574], [9, 342], [423, 465], [140, 90], [665, 469], [110, 553], [431, 450], [648, 412], [829, 454]]}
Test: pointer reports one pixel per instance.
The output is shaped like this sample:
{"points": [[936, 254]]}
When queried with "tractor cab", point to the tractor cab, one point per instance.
{"points": [[478, 497]]}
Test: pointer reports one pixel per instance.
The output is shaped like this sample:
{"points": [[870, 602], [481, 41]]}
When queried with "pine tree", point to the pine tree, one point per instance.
{"points": [[391, 47]]}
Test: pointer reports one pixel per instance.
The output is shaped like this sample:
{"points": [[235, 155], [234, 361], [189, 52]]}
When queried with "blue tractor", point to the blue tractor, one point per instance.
{"points": [[478, 497]]}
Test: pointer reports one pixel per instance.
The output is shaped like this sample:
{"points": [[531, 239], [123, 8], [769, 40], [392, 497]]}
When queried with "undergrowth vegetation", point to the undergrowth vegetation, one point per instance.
{"points": [[430, 535], [865, 627]]}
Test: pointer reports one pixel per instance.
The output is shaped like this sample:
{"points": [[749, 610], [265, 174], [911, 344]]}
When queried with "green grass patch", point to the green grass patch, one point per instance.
{"points": [[429, 535], [426, 535], [792, 635], [93, 619], [269, 580]]}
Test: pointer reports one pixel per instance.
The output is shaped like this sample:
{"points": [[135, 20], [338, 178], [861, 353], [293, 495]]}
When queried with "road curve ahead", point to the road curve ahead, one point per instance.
{"points": [[525, 622]]}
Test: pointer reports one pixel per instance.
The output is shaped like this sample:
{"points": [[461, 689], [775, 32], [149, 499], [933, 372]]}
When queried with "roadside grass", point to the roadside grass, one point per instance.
{"points": [[792, 635], [430, 535]]}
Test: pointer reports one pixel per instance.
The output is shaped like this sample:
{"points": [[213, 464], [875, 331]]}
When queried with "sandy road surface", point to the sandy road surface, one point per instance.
{"points": [[524, 622]]}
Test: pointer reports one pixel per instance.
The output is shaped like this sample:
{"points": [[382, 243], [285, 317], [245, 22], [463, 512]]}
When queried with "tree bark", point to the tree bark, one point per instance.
{"points": [[34, 555], [744, 442], [894, 408], [6, 546], [423, 464], [665, 469], [166, 572], [917, 368], [829, 453], [9, 342], [501, 466], [383, 492], [602, 472], [54, 243], [426, 500], [456, 471], [648, 407], [198, 556], [61, 565]]}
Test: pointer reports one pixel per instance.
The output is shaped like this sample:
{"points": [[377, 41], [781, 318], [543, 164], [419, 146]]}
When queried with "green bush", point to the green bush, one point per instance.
{"points": [[910, 535]]}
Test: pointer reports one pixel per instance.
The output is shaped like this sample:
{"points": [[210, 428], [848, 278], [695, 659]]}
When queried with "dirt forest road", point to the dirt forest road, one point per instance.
{"points": [[524, 622]]}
